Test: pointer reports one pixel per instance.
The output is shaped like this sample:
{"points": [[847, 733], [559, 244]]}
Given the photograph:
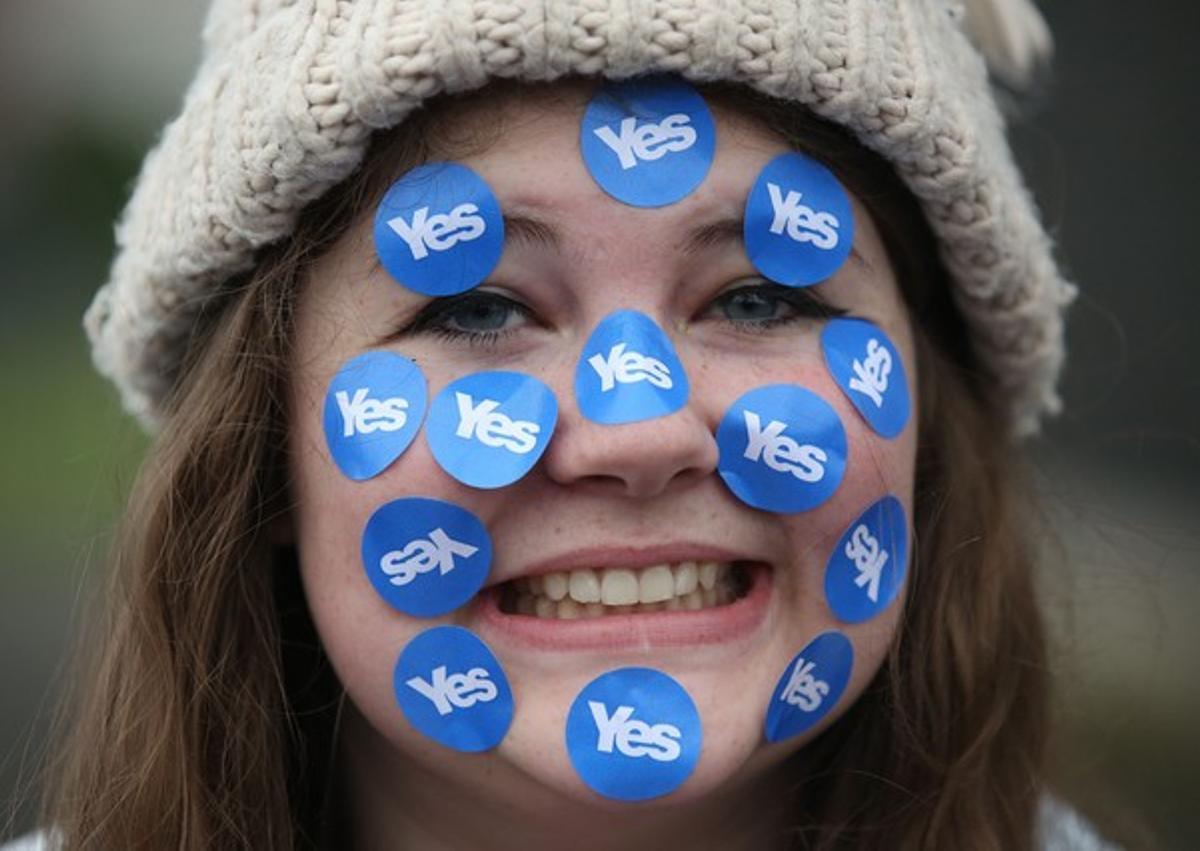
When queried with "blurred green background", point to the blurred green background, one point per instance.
{"points": [[1108, 143]]}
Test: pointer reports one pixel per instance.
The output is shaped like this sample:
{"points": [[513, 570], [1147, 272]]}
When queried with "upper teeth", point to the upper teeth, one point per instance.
{"points": [[621, 587]]}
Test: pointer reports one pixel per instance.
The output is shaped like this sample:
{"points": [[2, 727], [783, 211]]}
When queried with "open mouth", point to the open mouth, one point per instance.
{"points": [[685, 586]]}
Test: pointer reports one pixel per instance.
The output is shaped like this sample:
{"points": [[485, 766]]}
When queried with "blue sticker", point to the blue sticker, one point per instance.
{"points": [[798, 227], [866, 568], [439, 230], [867, 367], [488, 429], [648, 142], [810, 686], [629, 371], [451, 687], [373, 409], [633, 734], [782, 448], [424, 556]]}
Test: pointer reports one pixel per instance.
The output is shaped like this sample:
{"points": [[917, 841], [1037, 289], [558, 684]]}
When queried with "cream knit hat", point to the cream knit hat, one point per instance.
{"points": [[289, 92]]}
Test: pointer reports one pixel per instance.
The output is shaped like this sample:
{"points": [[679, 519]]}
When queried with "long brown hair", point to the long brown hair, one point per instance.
{"points": [[207, 716]]}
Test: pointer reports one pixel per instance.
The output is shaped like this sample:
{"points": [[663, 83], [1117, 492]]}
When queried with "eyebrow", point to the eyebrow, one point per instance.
{"points": [[531, 231]]}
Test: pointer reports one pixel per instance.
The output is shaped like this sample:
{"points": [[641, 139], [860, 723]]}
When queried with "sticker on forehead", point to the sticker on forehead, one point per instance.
{"points": [[373, 409], [488, 429], [782, 448], [798, 228], [648, 142], [451, 687], [424, 556], [866, 365], [629, 371], [633, 734], [810, 686], [438, 230], [866, 568]]}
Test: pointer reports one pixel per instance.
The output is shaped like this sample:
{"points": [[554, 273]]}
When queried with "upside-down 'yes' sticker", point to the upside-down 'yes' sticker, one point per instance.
{"points": [[488, 429], [424, 556], [451, 687], [810, 686], [798, 228], [649, 141], [629, 371], [439, 230], [867, 367], [633, 734], [867, 565], [782, 448], [373, 409]]}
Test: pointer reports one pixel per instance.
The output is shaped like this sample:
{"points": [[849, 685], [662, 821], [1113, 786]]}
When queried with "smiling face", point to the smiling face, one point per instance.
{"points": [[609, 510]]}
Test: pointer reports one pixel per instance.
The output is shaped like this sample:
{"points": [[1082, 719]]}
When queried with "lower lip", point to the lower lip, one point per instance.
{"points": [[623, 632]]}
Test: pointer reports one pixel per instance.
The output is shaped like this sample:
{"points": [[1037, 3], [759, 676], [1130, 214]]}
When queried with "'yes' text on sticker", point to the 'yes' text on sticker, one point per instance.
{"points": [[625, 367], [436, 552], [364, 415], [780, 452], [632, 737], [802, 223], [461, 691], [440, 231], [650, 141], [869, 559], [481, 421]]}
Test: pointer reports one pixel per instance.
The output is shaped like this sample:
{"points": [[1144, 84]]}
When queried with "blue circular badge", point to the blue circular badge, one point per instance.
{"points": [[633, 734], [648, 142], [866, 568], [810, 686], [451, 687], [373, 409], [866, 365], [488, 429], [798, 227], [629, 371], [439, 230], [424, 556], [782, 448]]}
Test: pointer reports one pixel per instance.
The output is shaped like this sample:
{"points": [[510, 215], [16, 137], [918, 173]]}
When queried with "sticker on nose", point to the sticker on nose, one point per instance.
{"points": [[810, 686], [488, 429], [424, 556], [782, 448], [866, 568], [451, 687], [866, 365], [373, 409], [798, 227], [633, 734], [629, 371], [648, 142], [439, 230]]}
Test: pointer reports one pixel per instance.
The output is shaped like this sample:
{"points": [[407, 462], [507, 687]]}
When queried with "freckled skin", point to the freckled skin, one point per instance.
{"points": [[651, 481]]}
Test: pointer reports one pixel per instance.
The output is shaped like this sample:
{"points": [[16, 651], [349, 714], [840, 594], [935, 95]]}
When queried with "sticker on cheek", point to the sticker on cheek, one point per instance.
{"points": [[810, 686], [488, 429], [867, 566], [424, 556], [866, 365], [782, 448], [629, 371], [373, 409], [439, 230], [452, 689], [648, 142], [633, 734], [798, 227]]}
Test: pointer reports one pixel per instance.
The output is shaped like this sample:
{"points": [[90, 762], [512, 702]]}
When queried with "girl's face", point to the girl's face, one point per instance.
{"points": [[604, 497]]}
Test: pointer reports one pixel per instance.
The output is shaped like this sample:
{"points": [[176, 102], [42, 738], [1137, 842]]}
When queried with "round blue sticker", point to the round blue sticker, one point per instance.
{"points": [[810, 686], [782, 448], [867, 367], [451, 687], [488, 429], [798, 227], [629, 371], [866, 568], [648, 142], [633, 734], [424, 556], [373, 409], [439, 230]]}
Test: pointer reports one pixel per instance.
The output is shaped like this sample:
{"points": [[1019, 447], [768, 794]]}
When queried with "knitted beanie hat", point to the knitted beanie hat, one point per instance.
{"points": [[289, 92]]}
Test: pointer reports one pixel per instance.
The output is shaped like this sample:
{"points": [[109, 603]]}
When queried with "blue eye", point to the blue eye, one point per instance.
{"points": [[767, 305], [478, 316]]}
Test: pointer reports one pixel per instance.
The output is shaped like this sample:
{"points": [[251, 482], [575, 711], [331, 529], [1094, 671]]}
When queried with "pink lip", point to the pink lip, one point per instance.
{"points": [[630, 558]]}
